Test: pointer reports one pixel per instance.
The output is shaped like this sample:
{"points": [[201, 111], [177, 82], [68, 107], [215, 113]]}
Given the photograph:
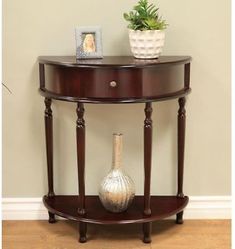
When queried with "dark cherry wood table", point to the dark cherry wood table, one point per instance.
{"points": [[114, 79]]}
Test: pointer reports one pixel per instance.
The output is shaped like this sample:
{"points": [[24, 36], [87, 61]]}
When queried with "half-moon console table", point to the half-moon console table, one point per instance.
{"points": [[114, 79]]}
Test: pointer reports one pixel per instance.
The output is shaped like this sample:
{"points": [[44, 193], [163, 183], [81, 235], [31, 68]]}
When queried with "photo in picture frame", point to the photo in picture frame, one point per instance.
{"points": [[88, 42]]}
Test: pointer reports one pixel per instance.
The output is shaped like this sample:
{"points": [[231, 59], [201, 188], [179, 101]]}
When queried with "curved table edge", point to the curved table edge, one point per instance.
{"points": [[173, 95], [182, 61]]}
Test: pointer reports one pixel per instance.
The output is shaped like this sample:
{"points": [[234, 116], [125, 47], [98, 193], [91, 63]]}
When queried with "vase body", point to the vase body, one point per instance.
{"points": [[117, 189], [146, 44]]}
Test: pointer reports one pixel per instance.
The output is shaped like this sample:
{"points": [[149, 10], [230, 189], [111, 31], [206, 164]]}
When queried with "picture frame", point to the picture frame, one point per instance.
{"points": [[88, 42]]}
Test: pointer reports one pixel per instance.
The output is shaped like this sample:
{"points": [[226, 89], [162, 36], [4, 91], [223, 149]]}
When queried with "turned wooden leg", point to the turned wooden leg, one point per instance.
{"points": [[147, 156], [49, 151], [147, 169], [179, 218], [51, 218], [81, 167], [181, 143], [82, 231], [147, 228]]}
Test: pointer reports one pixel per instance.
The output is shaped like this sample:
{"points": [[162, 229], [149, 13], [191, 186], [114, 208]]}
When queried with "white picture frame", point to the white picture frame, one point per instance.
{"points": [[88, 42]]}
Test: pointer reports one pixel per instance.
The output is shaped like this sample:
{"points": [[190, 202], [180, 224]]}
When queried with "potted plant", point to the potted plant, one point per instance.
{"points": [[146, 30]]}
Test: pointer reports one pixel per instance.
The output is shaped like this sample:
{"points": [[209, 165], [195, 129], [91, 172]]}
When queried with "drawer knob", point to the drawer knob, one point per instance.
{"points": [[113, 83]]}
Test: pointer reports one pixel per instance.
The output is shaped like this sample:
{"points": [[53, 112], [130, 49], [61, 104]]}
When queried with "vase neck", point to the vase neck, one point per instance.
{"points": [[117, 151]]}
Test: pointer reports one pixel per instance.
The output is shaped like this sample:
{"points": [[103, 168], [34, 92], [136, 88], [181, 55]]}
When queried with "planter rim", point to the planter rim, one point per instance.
{"points": [[150, 30]]}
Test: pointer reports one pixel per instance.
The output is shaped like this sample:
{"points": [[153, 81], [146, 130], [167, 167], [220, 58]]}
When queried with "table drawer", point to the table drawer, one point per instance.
{"points": [[113, 83]]}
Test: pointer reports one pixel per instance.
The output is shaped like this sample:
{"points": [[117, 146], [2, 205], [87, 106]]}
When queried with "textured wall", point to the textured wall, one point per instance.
{"points": [[197, 28]]}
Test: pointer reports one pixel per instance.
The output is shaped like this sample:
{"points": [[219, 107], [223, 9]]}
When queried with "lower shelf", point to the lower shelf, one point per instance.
{"points": [[161, 207]]}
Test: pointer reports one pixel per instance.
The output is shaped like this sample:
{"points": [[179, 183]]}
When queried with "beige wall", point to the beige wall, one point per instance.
{"points": [[197, 28]]}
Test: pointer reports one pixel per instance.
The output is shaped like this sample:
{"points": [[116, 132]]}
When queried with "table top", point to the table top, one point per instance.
{"points": [[113, 61]]}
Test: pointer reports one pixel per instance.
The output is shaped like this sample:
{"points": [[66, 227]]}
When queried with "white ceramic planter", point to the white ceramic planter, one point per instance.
{"points": [[146, 44]]}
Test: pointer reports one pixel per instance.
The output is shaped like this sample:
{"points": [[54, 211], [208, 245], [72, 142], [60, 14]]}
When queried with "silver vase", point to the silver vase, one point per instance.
{"points": [[117, 189]]}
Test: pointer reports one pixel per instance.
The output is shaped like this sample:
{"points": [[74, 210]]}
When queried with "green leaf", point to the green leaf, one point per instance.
{"points": [[126, 16], [144, 16]]}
